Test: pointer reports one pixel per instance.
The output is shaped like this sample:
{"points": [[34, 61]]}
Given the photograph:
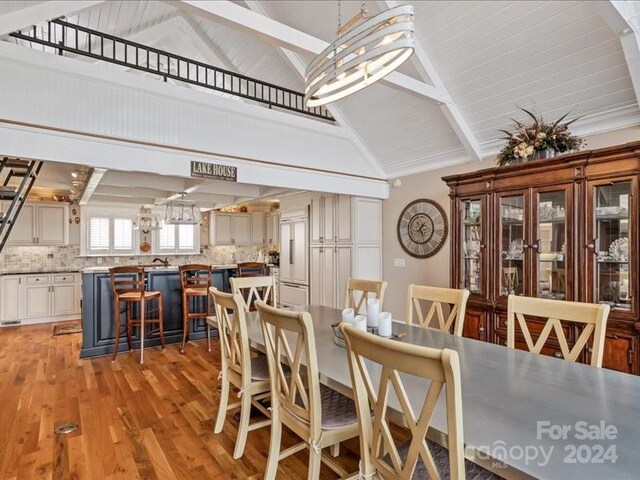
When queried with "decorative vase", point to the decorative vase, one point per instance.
{"points": [[544, 154]]}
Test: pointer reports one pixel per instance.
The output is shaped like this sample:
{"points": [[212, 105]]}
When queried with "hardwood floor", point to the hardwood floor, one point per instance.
{"points": [[152, 421]]}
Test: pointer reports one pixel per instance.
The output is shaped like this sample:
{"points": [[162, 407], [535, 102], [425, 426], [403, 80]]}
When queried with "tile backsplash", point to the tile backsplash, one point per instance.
{"points": [[27, 259]]}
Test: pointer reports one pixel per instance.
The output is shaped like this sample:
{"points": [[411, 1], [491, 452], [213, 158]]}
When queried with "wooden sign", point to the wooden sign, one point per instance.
{"points": [[215, 171]]}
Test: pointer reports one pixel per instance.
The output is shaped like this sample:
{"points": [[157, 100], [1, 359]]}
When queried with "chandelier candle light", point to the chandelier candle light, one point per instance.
{"points": [[363, 55]]}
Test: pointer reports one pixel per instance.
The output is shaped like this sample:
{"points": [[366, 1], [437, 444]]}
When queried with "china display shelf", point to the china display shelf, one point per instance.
{"points": [[512, 221], [511, 259], [618, 262], [471, 258], [612, 217], [553, 220], [552, 260], [471, 224]]}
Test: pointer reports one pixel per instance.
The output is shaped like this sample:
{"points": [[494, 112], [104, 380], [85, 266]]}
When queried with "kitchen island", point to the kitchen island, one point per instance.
{"points": [[98, 337]]}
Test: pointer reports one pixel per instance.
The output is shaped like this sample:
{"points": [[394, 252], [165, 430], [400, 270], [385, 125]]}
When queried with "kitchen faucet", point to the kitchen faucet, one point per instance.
{"points": [[165, 262]]}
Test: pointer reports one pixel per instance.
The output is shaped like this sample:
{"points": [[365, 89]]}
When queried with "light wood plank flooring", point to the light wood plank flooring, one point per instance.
{"points": [[152, 421]]}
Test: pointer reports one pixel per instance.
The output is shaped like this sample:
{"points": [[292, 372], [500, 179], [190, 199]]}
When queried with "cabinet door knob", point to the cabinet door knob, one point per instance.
{"points": [[558, 354], [481, 329]]}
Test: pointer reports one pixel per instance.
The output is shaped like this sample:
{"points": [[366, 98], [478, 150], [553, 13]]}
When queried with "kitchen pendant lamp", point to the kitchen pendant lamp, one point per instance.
{"points": [[182, 212], [147, 220], [362, 55]]}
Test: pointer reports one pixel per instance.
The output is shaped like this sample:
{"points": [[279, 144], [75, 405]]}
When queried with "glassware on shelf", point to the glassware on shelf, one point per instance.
{"points": [[471, 265], [611, 246], [512, 245], [551, 245]]}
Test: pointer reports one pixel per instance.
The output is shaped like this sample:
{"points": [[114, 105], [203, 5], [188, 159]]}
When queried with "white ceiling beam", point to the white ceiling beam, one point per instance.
{"points": [[96, 175], [618, 15], [299, 66], [222, 187], [41, 12], [450, 110], [135, 179], [130, 192], [270, 30]]}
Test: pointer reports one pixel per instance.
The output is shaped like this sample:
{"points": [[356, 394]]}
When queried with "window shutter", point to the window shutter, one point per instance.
{"points": [[99, 233], [167, 237], [122, 234], [186, 240]]}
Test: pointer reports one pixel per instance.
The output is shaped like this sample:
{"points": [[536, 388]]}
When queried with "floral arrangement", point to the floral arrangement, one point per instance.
{"points": [[539, 136]]}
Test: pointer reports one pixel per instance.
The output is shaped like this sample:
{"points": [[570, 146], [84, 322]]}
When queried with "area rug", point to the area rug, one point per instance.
{"points": [[75, 326]]}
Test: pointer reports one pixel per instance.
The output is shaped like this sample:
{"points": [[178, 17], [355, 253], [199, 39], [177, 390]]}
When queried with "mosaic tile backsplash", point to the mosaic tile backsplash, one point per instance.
{"points": [[32, 259]]}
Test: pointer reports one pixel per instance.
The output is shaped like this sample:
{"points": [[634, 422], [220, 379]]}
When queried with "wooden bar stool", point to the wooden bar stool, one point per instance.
{"points": [[252, 269], [195, 281], [128, 286]]}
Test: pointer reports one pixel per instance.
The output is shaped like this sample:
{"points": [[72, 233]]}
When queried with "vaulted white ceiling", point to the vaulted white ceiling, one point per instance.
{"points": [[483, 57]]}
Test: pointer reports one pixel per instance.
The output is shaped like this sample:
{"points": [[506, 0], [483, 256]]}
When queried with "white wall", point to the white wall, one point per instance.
{"points": [[435, 270], [93, 114]]}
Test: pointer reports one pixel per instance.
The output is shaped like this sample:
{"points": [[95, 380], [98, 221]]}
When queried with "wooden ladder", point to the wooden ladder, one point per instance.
{"points": [[24, 173]]}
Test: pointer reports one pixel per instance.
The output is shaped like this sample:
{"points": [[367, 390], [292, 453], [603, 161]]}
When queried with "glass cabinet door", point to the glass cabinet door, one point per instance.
{"points": [[610, 244], [550, 244], [512, 237], [472, 245]]}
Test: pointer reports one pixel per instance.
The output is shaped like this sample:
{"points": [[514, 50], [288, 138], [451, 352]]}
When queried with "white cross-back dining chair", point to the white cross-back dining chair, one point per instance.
{"points": [[319, 415], [250, 375], [592, 317], [358, 290], [455, 300], [255, 288], [415, 458]]}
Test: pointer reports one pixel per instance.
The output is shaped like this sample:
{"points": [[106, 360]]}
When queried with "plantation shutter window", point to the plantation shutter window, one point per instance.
{"points": [[186, 237], [99, 233], [122, 234], [167, 237]]}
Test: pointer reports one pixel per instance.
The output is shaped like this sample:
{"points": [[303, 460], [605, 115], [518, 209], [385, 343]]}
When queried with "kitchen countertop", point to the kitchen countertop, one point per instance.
{"points": [[170, 268], [35, 272]]}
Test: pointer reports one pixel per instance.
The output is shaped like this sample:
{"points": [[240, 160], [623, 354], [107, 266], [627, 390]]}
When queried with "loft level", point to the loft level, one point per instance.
{"points": [[60, 36]]}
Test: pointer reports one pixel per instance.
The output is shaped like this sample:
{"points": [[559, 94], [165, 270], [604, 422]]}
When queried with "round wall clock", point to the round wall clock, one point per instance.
{"points": [[422, 228]]}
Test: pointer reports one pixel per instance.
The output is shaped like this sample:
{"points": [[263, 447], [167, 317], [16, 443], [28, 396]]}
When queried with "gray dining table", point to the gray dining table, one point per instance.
{"points": [[525, 415]]}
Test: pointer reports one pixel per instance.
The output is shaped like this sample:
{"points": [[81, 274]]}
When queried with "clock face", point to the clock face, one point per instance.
{"points": [[422, 228]]}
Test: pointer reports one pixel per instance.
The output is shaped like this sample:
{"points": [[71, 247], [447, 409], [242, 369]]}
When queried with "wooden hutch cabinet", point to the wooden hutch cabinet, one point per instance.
{"points": [[564, 228]]}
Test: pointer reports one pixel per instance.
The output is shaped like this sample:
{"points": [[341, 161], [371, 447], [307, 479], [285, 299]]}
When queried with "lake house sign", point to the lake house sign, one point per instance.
{"points": [[212, 170]]}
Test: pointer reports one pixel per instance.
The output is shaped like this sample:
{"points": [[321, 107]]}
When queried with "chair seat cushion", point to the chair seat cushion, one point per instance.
{"points": [[338, 410], [260, 368], [441, 459]]}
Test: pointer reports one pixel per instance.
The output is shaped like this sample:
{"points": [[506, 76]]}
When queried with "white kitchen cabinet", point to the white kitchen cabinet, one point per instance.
{"points": [[63, 299], [367, 262], [330, 271], [10, 301], [322, 219], [368, 220], [316, 281], [39, 297], [229, 228], [23, 231], [332, 218], [272, 225], [343, 224], [41, 224], [241, 229], [52, 224], [258, 228], [36, 301], [220, 229], [343, 268]]}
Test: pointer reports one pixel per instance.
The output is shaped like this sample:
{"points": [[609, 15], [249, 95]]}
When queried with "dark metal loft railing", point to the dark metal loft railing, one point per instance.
{"points": [[62, 37]]}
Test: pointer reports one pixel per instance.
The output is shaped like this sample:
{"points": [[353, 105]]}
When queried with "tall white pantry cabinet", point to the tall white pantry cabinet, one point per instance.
{"points": [[345, 241]]}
